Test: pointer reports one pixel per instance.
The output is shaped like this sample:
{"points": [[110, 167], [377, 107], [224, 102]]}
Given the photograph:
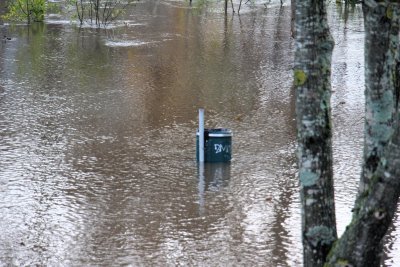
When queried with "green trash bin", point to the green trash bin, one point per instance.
{"points": [[217, 145]]}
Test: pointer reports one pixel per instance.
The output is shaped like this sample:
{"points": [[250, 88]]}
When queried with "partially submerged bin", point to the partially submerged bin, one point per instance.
{"points": [[217, 145]]}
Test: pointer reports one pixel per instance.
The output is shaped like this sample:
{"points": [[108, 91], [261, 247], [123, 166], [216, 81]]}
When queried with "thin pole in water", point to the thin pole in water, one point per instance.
{"points": [[201, 135]]}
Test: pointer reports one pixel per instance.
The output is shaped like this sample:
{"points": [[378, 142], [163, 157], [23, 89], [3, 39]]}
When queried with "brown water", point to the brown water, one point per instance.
{"points": [[97, 139]]}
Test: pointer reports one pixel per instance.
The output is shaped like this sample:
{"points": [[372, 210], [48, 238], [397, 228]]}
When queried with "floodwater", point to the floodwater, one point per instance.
{"points": [[97, 139]]}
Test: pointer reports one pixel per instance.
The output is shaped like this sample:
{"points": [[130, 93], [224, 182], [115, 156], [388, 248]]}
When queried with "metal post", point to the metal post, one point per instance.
{"points": [[201, 135]]}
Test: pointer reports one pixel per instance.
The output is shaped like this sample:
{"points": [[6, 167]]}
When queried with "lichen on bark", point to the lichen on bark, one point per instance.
{"points": [[381, 72], [376, 203], [300, 77], [312, 70]]}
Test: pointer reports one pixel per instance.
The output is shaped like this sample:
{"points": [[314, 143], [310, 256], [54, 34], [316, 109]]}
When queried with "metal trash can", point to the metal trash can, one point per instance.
{"points": [[217, 145]]}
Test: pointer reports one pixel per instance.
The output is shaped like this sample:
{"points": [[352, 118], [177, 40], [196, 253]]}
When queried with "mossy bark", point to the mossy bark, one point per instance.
{"points": [[381, 40], [361, 243], [312, 72]]}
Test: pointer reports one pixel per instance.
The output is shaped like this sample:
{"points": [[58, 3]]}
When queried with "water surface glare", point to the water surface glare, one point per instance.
{"points": [[97, 139]]}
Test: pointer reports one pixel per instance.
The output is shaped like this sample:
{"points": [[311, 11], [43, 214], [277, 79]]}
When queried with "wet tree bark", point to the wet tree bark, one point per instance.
{"points": [[361, 244], [312, 72]]}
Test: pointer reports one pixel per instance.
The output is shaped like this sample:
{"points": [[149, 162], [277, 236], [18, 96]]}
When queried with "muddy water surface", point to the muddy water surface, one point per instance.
{"points": [[97, 139]]}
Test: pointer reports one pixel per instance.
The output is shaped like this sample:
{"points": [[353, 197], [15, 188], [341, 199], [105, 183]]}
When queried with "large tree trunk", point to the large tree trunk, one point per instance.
{"points": [[381, 40], [312, 72], [361, 244]]}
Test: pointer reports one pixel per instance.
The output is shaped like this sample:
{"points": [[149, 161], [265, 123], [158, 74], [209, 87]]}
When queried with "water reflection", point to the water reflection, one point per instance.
{"points": [[213, 177]]}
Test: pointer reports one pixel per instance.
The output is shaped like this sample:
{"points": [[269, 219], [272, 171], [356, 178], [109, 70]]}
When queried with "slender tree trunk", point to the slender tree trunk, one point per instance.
{"points": [[314, 46], [91, 11], [97, 10], [28, 12], [361, 243]]}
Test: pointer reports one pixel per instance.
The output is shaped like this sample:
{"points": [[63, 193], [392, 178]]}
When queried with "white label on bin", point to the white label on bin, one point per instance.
{"points": [[221, 148]]}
